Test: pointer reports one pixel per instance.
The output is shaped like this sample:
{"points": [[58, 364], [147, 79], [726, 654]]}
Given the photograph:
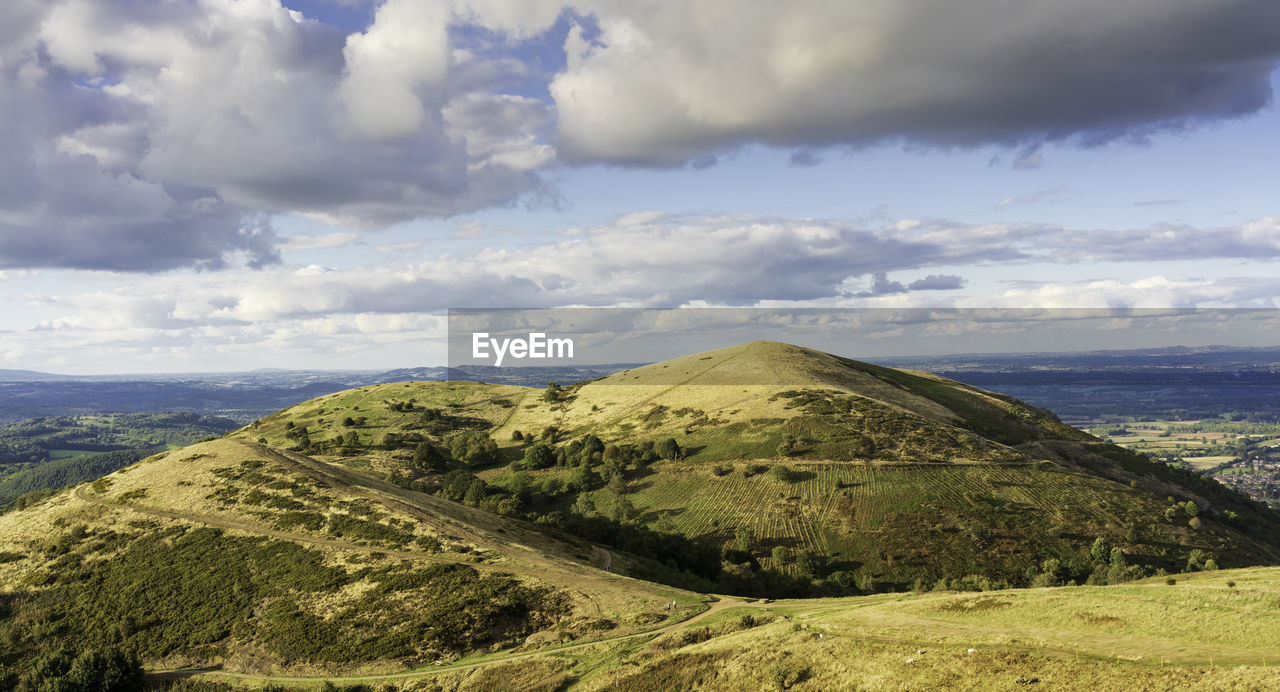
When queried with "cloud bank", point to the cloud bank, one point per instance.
{"points": [[149, 136]]}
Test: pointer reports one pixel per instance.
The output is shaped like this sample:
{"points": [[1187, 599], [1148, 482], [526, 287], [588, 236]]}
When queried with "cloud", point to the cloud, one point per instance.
{"points": [[643, 259], [937, 282], [150, 136], [153, 136], [882, 286], [654, 260], [667, 82]]}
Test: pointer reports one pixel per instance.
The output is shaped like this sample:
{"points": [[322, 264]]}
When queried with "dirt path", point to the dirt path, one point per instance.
{"points": [[716, 606]]}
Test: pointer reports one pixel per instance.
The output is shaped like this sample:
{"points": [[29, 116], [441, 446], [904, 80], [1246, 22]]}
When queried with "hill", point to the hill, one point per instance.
{"points": [[384, 528], [791, 472], [234, 554]]}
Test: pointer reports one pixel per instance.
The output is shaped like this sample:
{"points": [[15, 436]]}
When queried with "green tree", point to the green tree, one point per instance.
{"points": [[1101, 550], [539, 456], [781, 554], [426, 456], [669, 449], [476, 493]]}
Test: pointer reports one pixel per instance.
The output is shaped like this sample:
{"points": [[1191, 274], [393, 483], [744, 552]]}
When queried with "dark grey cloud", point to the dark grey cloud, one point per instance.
{"points": [[667, 82], [937, 282], [881, 285]]}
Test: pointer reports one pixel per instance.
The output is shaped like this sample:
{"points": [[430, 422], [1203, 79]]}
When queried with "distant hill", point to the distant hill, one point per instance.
{"points": [[27, 376]]}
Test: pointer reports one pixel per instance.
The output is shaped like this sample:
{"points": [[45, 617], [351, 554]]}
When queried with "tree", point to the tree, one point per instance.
{"points": [[808, 563], [1196, 559], [1191, 508], [669, 449], [476, 493], [781, 554], [539, 456], [1101, 550], [426, 456], [349, 421], [517, 436]]}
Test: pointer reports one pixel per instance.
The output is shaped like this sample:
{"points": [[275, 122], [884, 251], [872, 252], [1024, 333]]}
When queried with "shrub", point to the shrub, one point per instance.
{"points": [[108, 669], [784, 474]]}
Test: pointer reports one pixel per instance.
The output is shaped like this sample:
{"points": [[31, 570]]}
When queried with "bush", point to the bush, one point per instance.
{"points": [[785, 474], [785, 677], [108, 669]]}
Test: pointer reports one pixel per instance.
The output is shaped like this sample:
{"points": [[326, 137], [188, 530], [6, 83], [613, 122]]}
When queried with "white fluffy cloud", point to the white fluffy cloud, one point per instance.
{"points": [[145, 136], [658, 260], [644, 259]]}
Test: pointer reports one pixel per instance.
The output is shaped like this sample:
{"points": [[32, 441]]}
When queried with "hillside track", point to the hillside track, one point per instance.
{"points": [[716, 606]]}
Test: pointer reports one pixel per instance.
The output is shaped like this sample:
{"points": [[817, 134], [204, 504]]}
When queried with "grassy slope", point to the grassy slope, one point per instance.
{"points": [[1211, 631], [893, 520], [1143, 635], [366, 527]]}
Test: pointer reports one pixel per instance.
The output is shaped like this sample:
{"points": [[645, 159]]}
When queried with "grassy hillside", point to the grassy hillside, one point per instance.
{"points": [[234, 554], [797, 473], [1209, 631], [379, 530]]}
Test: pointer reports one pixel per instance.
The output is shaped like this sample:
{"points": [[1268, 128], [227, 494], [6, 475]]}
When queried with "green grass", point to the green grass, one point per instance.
{"points": [[903, 522]]}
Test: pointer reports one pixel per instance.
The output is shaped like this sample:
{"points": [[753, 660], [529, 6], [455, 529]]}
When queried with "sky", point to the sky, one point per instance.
{"points": [[233, 184]]}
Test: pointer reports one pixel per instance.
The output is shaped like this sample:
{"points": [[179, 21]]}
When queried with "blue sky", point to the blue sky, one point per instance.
{"points": [[314, 188]]}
